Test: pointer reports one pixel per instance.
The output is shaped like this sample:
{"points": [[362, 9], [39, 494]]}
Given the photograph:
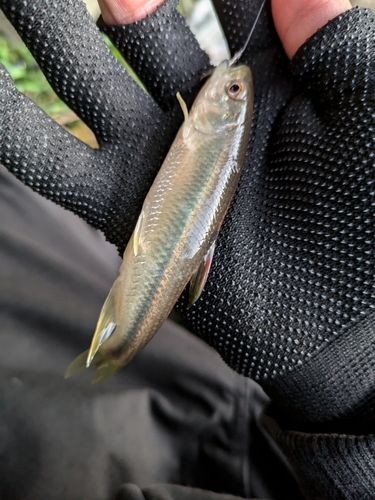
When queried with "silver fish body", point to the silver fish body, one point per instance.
{"points": [[179, 223]]}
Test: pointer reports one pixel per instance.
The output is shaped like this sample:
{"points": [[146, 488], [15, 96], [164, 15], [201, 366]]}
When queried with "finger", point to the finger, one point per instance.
{"points": [[163, 52], [41, 153], [126, 11], [71, 53], [105, 187], [297, 20]]}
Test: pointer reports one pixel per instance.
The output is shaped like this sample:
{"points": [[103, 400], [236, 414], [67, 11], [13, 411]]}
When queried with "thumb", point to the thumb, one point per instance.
{"points": [[126, 11], [297, 20]]}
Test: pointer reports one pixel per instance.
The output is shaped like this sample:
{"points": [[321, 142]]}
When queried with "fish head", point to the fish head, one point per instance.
{"points": [[226, 99]]}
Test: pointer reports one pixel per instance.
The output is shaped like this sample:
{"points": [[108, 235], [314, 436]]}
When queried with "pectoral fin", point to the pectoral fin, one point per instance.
{"points": [[188, 126], [183, 107], [199, 278]]}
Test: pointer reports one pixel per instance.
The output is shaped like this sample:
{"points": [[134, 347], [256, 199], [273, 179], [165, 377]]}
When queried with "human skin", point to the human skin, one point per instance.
{"points": [[295, 20]]}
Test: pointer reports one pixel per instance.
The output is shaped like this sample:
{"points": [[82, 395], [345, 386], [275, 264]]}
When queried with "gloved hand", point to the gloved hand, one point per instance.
{"points": [[290, 296]]}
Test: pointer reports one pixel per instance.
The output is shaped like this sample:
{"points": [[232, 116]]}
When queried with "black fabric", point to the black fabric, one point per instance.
{"points": [[289, 300], [169, 492], [329, 466], [176, 414]]}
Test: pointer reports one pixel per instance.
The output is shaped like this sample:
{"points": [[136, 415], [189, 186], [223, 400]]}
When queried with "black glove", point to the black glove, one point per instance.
{"points": [[290, 297]]}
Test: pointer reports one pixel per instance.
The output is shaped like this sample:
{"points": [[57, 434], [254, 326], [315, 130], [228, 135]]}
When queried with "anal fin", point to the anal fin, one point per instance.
{"points": [[104, 329], [199, 277], [104, 334], [106, 322]]}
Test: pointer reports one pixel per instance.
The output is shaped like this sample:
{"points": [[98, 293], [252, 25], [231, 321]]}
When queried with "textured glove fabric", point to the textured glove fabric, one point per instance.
{"points": [[290, 300], [290, 296], [146, 45], [107, 186]]}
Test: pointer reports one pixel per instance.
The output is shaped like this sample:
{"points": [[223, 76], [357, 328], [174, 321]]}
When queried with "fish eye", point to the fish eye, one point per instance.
{"points": [[234, 89]]}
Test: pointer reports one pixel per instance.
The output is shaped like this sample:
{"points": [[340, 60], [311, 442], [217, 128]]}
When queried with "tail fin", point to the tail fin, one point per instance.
{"points": [[104, 367], [78, 365], [104, 370]]}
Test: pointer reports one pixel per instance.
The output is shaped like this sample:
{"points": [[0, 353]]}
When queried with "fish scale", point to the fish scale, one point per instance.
{"points": [[181, 217]]}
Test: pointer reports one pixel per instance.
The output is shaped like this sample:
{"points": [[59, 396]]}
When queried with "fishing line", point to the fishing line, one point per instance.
{"points": [[238, 54]]}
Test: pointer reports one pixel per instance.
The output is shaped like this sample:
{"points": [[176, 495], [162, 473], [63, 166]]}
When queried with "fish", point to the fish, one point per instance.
{"points": [[174, 238]]}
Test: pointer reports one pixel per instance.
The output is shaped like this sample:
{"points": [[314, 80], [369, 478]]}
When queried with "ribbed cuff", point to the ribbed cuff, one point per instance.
{"points": [[328, 466], [334, 386]]}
